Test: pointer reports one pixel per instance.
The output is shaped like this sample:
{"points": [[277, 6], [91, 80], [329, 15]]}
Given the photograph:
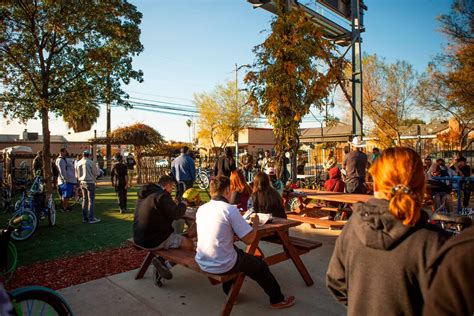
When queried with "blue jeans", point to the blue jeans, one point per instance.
{"points": [[88, 199]]}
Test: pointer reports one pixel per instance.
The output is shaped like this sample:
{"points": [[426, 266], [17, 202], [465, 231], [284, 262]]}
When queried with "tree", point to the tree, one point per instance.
{"points": [[65, 58], [390, 92], [143, 138], [222, 114], [448, 84], [290, 75]]}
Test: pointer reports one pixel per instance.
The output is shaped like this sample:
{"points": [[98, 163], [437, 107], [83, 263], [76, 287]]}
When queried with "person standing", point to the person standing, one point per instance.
{"points": [[267, 161], [184, 171], [246, 163], [217, 223], [259, 162], [463, 170], [38, 164], [225, 164], [119, 179], [355, 165], [331, 161], [66, 177], [130, 165], [86, 173]]}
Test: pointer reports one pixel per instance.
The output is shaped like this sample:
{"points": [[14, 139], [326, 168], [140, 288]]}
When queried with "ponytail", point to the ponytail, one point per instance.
{"points": [[403, 186]]}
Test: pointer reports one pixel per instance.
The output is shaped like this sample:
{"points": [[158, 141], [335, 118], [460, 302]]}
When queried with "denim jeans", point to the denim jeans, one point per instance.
{"points": [[88, 199]]}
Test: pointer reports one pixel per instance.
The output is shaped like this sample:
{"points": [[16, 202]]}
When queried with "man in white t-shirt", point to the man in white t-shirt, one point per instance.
{"points": [[217, 221]]}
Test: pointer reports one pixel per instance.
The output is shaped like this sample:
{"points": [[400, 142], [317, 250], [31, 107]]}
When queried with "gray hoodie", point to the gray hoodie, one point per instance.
{"points": [[379, 266]]}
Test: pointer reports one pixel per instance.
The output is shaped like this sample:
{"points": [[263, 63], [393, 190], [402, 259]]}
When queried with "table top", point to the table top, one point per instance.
{"points": [[277, 223], [334, 196]]}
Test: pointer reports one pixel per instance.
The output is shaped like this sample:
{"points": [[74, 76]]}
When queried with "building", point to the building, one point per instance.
{"points": [[75, 143]]}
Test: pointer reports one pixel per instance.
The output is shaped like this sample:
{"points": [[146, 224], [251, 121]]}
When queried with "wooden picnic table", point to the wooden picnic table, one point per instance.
{"points": [[279, 227], [306, 196]]}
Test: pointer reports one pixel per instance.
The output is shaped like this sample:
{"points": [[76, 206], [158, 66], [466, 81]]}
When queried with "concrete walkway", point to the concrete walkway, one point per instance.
{"points": [[191, 293]]}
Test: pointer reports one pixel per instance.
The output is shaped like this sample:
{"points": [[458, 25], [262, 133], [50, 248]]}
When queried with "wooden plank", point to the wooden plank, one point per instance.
{"points": [[316, 221], [299, 243], [293, 253]]}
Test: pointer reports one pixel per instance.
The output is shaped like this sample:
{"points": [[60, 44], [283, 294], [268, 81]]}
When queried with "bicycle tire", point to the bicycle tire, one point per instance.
{"points": [[51, 212], [203, 182], [41, 295], [28, 226]]}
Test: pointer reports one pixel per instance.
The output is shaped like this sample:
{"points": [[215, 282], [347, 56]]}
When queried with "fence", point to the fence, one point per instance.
{"points": [[149, 171]]}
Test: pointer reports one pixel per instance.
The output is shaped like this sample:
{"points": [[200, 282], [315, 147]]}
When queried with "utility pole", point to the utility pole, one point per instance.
{"points": [[108, 148], [356, 17]]}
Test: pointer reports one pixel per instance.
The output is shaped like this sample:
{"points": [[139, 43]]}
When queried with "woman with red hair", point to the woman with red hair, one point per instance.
{"points": [[380, 261], [241, 191]]}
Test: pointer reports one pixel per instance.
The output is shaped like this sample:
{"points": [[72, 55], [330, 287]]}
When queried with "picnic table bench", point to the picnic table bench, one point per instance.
{"points": [[293, 247]]}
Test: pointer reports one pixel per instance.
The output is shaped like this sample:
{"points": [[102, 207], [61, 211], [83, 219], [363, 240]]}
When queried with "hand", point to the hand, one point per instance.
{"points": [[254, 221]]}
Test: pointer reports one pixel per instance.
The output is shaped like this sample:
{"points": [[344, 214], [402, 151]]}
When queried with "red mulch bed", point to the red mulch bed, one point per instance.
{"points": [[61, 273]]}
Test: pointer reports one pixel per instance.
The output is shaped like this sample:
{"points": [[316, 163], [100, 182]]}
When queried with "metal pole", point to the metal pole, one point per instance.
{"points": [[356, 71], [236, 135]]}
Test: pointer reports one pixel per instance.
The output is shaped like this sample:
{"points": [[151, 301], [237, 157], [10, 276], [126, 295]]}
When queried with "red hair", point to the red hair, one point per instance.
{"points": [[238, 183], [398, 174]]}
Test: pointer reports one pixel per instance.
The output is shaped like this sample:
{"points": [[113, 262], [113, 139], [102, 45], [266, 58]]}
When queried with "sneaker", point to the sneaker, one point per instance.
{"points": [[161, 268], [287, 302], [94, 221]]}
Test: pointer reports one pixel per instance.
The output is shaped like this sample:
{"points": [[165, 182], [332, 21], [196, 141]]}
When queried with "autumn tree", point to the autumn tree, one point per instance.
{"points": [[290, 75], [448, 84], [222, 114], [65, 58], [390, 97]]}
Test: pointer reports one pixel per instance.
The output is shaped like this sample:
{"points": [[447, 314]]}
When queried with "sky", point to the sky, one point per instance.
{"points": [[191, 46]]}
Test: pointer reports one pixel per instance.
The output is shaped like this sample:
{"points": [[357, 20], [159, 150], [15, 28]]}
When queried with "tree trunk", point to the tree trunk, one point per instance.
{"points": [[294, 156], [46, 150]]}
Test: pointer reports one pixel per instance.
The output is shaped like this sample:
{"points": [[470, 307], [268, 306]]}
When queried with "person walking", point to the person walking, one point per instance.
{"points": [[183, 169], [246, 164], [66, 179], [86, 173], [381, 258], [119, 179], [355, 165], [217, 223]]}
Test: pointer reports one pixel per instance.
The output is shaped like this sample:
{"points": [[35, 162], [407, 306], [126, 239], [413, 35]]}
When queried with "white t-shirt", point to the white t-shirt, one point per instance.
{"points": [[217, 221]]}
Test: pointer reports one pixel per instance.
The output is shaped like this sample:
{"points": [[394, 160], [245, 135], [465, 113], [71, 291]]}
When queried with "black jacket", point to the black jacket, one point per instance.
{"points": [[154, 213], [379, 266], [224, 166], [452, 289]]}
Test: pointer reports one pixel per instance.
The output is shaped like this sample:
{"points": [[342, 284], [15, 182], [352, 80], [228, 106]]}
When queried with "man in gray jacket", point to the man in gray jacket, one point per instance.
{"points": [[86, 173]]}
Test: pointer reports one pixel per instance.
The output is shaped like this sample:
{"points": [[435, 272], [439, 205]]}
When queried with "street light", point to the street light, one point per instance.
{"points": [[236, 135], [189, 123]]}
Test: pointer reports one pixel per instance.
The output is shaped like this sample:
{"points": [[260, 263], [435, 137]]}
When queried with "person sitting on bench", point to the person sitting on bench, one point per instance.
{"points": [[152, 223], [217, 221]]}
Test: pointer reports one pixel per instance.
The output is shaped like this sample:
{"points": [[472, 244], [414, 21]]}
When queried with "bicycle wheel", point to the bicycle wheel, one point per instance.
{"points": [[27, 227], [51, 212], [39, 300], [203, 181], [9, 263]]}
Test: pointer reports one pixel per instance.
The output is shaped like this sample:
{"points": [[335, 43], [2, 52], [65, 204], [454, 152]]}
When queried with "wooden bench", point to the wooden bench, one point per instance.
{"points": [[186, 258], [302, 245], [317, 221]]}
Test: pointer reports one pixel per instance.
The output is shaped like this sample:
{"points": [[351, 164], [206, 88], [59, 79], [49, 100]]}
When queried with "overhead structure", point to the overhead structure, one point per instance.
{"points": [[343, 27]]}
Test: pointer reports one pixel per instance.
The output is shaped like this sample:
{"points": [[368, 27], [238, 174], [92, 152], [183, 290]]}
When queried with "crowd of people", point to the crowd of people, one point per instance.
{"points": [[370, 270]]}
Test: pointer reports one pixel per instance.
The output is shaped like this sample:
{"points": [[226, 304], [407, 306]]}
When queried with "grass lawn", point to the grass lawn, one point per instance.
{"points": [[71, 236]]}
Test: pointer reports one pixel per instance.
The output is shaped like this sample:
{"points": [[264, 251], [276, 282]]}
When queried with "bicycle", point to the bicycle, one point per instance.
{"points": [[33, 204], [29, 300], [203, 178]]}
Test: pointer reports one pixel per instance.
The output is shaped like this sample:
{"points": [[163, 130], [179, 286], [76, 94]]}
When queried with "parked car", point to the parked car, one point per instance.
{"points": [[162, 163]]}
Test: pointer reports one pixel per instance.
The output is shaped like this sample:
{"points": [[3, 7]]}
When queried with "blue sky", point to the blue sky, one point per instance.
{"points": [[192, 45]]}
